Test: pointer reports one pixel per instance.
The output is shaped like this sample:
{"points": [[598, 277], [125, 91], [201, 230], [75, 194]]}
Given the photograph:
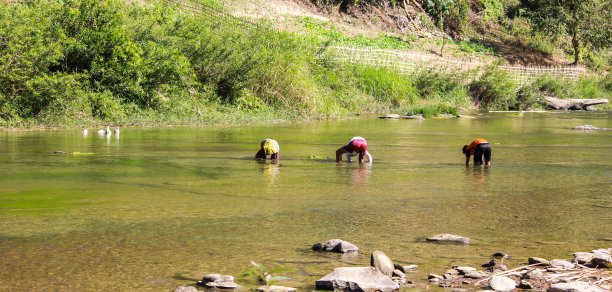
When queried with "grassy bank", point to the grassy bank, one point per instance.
{"points": [[85, 62]]}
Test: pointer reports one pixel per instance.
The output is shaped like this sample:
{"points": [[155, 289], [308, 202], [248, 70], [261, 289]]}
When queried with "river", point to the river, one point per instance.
{"points": [[152, 208]]}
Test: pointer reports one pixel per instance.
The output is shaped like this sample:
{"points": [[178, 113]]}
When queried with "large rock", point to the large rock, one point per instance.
{"points": [[502, 284], [185, 289], [572, 104], [582, 258], [336, 245], [449, 238], [382, 262], [601, 257], [575, 287], [356, 279]]}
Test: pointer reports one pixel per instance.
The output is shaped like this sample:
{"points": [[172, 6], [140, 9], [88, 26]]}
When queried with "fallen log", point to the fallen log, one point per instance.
{"points": [[572, 104]]}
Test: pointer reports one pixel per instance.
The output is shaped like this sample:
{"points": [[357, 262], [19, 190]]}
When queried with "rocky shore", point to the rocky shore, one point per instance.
{"points": [[585, 272]]}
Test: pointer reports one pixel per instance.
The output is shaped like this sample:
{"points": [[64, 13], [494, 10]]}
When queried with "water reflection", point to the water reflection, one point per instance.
{"points": [[477, 174], [270, 170]]}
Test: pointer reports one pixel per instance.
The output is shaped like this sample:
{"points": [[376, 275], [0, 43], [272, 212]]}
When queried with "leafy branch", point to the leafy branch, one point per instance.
{"points": [[264, 276]]}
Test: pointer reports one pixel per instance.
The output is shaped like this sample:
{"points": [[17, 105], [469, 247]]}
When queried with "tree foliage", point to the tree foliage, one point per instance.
{"points": [[588, 23]]}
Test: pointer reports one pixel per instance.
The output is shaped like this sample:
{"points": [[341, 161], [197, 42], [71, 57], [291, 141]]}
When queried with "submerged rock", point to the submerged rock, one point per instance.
{"points": [[382, 262], [450, 238], [276, 289], [185, 289], [589, 128], [356, 279], [336, 245]]}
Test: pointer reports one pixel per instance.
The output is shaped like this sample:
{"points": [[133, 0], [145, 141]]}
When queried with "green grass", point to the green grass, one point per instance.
{"points": [[324, 32], [431, 110]]}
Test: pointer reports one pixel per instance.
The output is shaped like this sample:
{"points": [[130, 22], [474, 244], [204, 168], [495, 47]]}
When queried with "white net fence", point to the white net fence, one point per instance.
{"points": [[408, 63]]}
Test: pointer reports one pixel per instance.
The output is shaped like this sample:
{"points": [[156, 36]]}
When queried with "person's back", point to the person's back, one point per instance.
{"points": [[479, 148], [268, 147], [357, 146]]}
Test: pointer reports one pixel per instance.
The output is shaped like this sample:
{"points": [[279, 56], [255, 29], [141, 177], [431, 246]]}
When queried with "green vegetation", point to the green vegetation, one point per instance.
{"points": [[429, 110], [263, 275], [586, 23], [325, 33], [85, 62]]}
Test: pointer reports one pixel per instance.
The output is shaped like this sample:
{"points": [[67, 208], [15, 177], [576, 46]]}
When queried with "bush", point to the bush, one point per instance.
{"points": [[429, 110], [385, 85], [442, 87], [528, 98], [493, 90]]}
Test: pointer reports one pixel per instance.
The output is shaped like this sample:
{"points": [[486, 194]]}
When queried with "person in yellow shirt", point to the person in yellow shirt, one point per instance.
{"points": [[268, 147], [478, 148]]}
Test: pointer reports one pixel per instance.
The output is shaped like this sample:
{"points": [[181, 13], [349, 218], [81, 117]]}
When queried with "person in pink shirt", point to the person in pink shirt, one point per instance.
{"points": [[356, 147]]}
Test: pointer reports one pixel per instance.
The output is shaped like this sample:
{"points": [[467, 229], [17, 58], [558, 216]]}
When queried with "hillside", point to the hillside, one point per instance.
{"points": [[488, 40]]}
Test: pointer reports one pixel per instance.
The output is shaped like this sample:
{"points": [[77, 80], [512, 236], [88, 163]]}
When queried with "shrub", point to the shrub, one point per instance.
{"points": [[385, 85], [528, 97], [431, 110], [493, 90]]}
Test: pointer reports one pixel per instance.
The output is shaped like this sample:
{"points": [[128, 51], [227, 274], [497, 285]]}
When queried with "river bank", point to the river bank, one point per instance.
{"points": [[587, 271], [169, 66]]}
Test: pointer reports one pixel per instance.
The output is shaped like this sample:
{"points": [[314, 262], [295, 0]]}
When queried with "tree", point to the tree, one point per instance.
{"points": [[588, 23], [438, 9]]}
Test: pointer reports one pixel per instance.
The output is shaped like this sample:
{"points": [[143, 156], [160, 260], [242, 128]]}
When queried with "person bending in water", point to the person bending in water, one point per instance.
{"points": [[478, 148], [268, 147], [357, 146]]}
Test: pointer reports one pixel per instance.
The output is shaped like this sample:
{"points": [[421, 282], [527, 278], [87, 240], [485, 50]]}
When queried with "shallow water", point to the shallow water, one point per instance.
{"points": [[159, 205]]}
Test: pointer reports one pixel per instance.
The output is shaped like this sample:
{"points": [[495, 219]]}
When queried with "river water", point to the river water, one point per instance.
{"points": [[160, 205]]}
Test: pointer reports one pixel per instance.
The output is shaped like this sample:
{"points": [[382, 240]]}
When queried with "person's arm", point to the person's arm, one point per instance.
{"points": [[367, 154], [339, 153], [467, 158], [276, 157], [360, 158], [260, 154]]}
